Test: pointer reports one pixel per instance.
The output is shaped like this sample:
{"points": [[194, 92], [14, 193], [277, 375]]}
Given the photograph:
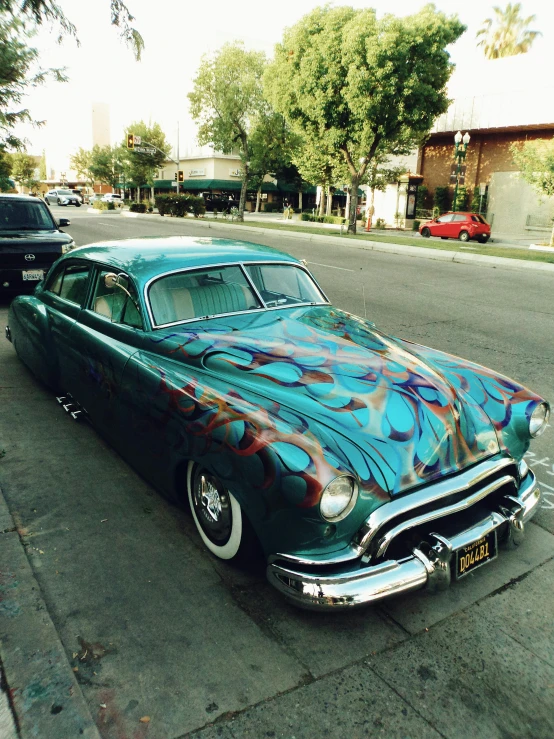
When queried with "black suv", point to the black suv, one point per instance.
{"points": [[30, 242]]}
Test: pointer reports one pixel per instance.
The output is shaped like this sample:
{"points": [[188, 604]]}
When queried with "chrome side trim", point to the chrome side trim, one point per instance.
{"points": [[429, 494], [461, 505]]}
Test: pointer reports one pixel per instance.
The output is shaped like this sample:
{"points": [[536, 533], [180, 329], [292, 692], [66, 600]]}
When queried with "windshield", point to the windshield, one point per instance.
{"points": [[284, 284], [216, 291], [23, 215], [65, 192]]}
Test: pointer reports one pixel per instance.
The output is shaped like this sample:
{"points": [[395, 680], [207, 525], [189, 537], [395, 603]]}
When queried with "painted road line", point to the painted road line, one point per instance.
{"points": [[330, 266]]}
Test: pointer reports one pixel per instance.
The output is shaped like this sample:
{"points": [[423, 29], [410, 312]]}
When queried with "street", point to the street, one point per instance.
{"points": [[154, 627]]}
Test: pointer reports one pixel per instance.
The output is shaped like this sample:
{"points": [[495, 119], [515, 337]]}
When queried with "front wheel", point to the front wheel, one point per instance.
{"points": [[464, 236], [483, 239], [78, 205], [59, 202], [425, 232], [218, 516]]}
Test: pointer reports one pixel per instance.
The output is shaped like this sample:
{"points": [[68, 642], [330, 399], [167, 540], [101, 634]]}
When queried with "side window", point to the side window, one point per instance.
{"points": [[119, 303], [70, 283], [445, 219], [459, 218]]}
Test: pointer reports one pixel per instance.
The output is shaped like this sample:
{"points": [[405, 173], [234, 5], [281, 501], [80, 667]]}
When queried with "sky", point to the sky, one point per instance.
{"points": [[176, 34]]}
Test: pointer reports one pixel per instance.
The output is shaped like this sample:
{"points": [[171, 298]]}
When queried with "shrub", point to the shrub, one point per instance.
{"points": [[272, 207], [422, 197], [179, 205], [415, 224], [322, 219], [462, 199], [137, 208], [111, 205], [100, 205], [380, 223], [441, 199]]}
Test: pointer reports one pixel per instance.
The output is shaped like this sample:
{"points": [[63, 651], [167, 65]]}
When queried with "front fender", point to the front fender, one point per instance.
{"points": [[32, 339]]}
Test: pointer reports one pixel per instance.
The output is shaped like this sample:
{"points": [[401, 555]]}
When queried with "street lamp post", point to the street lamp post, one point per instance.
{"points": [[461, 143]]}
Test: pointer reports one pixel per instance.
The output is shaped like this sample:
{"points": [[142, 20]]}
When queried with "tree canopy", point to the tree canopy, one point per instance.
{"points": [[506, 33], [361, 86], [226, 100], [138, 167]]}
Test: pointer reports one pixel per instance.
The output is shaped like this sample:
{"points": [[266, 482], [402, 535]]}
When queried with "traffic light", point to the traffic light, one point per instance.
{"points": [[180, 176], [130, 141]]}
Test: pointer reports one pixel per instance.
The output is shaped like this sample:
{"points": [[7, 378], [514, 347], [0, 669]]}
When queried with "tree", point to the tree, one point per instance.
{"points": [[19, 70], [318, 166], [5, 171], [225, 101], [378, 176], [24, 169], [361, 86], [535, 160], [506, 34], [271, 148], [81, 162], [42, 173], [138, 167], [107, 164]]}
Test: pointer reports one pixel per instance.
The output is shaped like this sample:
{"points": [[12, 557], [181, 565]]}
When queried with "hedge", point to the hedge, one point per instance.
{"points": [[180, 205], [322, 219], [137, 208]]}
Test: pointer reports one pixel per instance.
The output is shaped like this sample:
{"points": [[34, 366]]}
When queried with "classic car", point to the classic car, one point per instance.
{"points": [[30, 242], [360, 465], [462, 226]]}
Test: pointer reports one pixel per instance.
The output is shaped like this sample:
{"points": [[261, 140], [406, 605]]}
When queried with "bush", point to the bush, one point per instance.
{"points": [[415, 224], [111, 205], [441, 198], [422, 197], [462, 200], [137, 208], [380, 223], [322, 219], [179, 205], [272, 207], [100, 205]]}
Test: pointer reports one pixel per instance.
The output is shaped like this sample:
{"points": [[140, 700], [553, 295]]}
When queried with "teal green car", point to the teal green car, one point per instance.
{"points": [[359, 465]]}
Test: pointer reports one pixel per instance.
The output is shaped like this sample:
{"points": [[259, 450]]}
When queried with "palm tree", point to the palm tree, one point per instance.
{"points": [[507, 33]]}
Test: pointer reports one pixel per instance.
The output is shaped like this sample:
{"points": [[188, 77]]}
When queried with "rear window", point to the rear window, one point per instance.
{"points": [[25, 215]]}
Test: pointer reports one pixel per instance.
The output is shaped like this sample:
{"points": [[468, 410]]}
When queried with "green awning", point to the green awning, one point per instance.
{"points": [[206, 185]]}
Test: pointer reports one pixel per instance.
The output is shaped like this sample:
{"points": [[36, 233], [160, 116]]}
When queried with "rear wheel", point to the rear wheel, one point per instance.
{"points": [[218, 517], [425, 232], [59, 201], [464, 236]]}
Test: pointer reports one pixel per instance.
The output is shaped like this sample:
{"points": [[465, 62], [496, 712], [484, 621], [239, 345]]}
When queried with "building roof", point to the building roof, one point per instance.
{"points": [[148, 257]]}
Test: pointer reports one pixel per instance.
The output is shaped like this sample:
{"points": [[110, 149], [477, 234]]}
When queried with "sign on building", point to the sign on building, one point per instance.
{"points": [[197, 172], [235, 172]]}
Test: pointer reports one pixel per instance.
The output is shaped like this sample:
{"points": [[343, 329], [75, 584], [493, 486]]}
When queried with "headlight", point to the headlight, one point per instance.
{"points": [[68, 247], [338, 498], [539, 419]]}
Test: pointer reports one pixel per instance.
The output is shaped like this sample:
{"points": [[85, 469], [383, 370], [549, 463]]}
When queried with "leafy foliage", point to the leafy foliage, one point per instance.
{"points": [[81, 162], [138, 167], [358, 87], [441, 199], [535, 160], [180, 205], [507, 33], [107, 165], [226, 101], [23, 169]]}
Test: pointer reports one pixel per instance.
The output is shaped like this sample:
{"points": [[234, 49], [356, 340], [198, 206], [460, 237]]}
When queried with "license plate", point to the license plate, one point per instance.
{"points": [[33, 274], [476, 554]]}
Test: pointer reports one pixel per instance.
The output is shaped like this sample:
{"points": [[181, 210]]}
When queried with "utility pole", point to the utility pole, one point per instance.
{"points": [[178, 162]]}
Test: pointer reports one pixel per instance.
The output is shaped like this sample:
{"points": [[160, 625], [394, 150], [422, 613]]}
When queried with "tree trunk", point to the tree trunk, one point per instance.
{"points": [[352, 211], [329, 202], [246, 172], [258, 199], [300, 200], [322, 201], [552, 236]]}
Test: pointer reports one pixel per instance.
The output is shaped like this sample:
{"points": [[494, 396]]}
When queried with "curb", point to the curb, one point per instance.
{"points": [[45, 697], [459, 257]]}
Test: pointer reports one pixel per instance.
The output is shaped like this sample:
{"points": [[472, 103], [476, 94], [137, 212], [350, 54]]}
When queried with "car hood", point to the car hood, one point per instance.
{"points": [[23, 240], [339, 370]]}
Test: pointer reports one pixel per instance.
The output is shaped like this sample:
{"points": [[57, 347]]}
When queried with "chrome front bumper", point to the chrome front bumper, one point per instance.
{"points": [[429, 565]]}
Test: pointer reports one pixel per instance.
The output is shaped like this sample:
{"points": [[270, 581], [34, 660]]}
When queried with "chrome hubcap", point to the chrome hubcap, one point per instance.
{"points": [[210, 499], [212, 507]]}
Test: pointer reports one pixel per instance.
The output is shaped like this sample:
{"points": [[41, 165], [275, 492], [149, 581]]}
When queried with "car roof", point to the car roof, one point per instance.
{"points": [[151, 256], [18, 196]]}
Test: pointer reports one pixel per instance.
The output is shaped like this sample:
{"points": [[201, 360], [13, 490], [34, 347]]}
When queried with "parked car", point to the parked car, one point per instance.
{"points": [[462, 226], [111, 197], [79, 194], [62, 197], [94, 197], [30, 242], [361, 465]]}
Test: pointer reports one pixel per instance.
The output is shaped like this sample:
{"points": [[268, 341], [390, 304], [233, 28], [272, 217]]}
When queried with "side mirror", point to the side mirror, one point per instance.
{"points": [[110, 280], [64, 222]]}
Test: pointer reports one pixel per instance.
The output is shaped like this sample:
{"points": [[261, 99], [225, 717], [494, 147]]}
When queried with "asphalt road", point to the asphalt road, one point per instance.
{"points": [[155, 627]]}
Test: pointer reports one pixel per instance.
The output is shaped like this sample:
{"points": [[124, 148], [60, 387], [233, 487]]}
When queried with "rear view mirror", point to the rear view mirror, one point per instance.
{"points": [[64, 222]]}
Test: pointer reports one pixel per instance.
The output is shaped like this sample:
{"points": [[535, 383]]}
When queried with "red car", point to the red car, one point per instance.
{"points": [[462, 226]]}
